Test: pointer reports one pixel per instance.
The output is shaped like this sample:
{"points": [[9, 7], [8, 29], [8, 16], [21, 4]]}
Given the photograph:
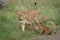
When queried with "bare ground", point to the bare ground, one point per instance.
{"points": [[47, 37]]}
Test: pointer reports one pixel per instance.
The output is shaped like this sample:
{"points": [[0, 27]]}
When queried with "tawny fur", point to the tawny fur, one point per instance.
{"points": [[28, 16], [45, 29]]}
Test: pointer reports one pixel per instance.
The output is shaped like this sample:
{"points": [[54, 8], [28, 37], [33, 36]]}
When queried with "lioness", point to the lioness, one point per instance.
{"points": [[28, 17]]}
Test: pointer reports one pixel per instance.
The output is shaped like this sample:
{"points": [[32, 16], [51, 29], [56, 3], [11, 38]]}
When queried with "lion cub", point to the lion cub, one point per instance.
{"points": [[45, 29]]}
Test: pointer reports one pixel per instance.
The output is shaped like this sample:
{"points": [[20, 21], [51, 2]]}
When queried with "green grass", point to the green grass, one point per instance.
{"points": [[9, 25]]}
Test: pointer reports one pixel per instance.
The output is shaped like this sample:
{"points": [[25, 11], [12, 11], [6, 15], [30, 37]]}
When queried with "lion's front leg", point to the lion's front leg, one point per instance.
{"points": [[22, 25]]}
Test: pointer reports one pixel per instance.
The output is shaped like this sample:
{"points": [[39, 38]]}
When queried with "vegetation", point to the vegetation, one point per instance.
{"points": [[9, 24]]}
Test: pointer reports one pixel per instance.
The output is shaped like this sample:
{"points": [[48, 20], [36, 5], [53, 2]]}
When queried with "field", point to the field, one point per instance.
{"points": [[9, 24]]}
